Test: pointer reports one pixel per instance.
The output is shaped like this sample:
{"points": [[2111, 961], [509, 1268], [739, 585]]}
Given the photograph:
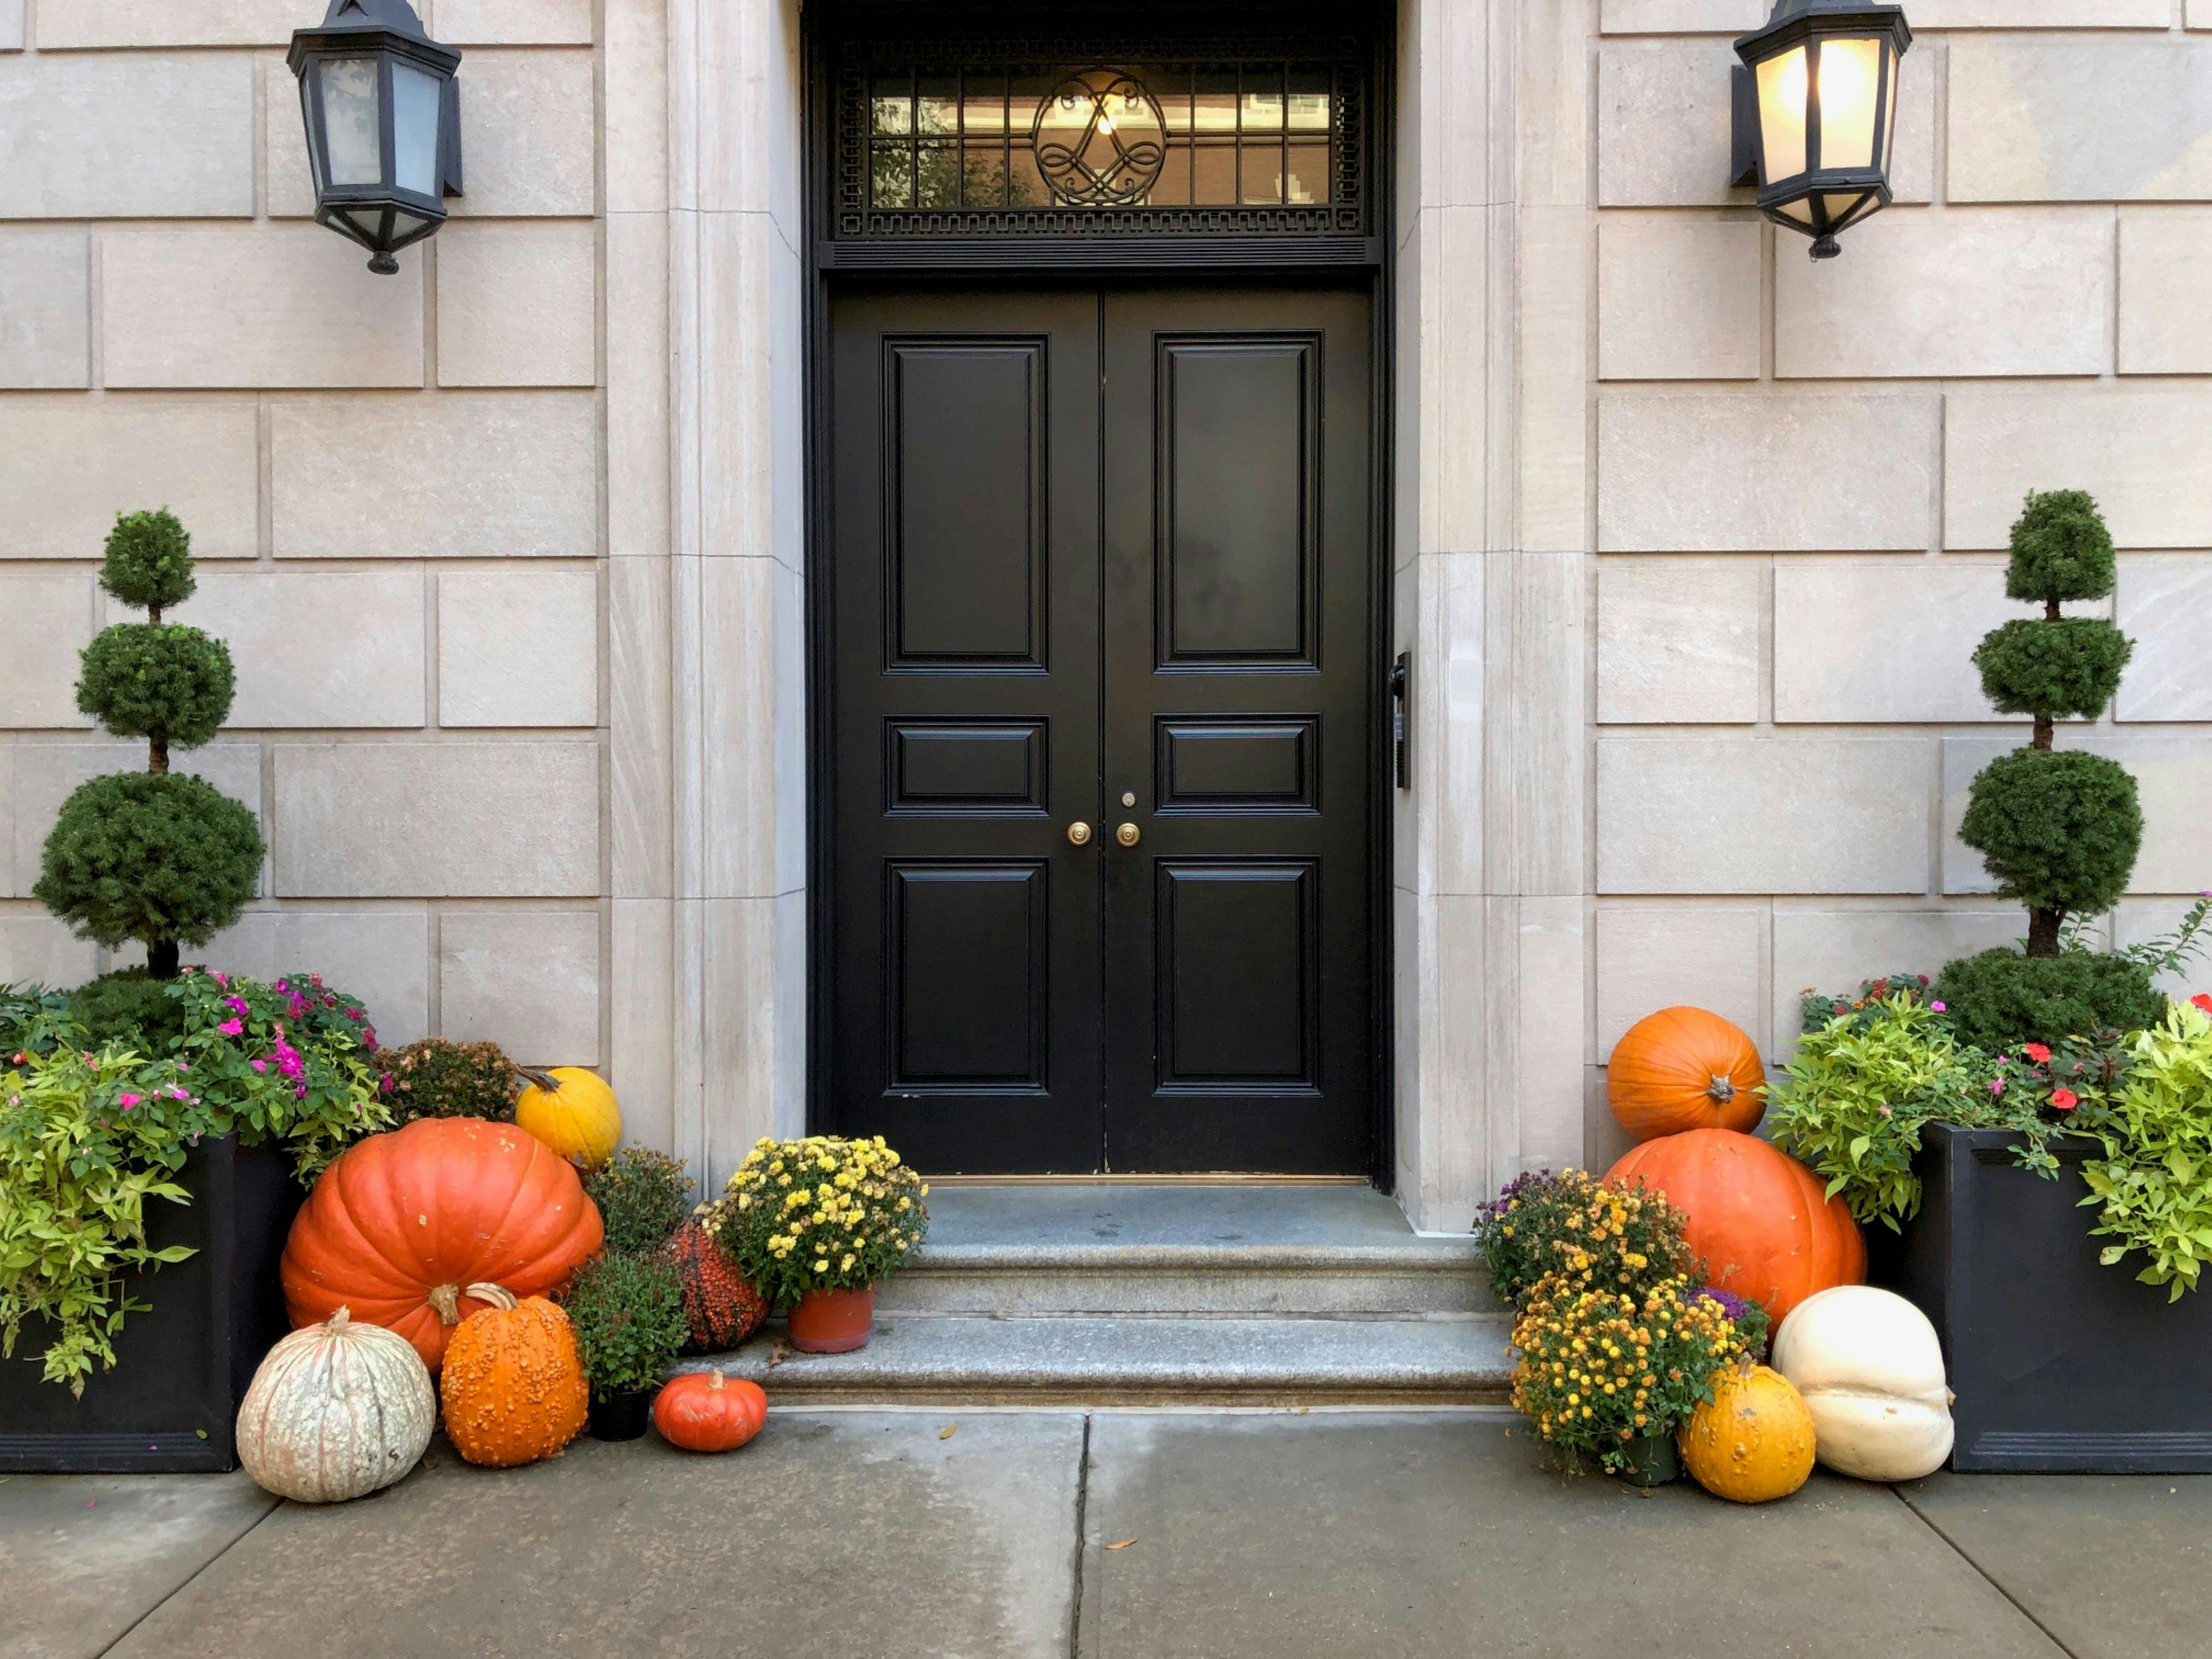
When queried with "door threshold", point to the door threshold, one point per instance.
{"points": [[1225, 1178]]}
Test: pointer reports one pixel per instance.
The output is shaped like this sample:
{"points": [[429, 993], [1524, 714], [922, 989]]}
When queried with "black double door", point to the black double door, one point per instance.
{"points": [[1103, 698]]}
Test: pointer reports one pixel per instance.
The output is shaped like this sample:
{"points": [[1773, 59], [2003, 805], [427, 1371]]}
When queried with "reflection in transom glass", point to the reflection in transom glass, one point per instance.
{"points": [[1179, 135]]}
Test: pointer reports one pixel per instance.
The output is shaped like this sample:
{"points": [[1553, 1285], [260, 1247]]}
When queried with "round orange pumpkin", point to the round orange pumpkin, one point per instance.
{"points": [[708, 1412], [401, 1223], [1683, 1068], [1752, 1443], [1760, 1219], [719, 1303], [513, 1390]]}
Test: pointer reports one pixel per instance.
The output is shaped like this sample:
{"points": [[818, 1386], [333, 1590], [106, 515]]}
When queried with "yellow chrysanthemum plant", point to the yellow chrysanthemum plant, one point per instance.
{"points": [[1600, 1370], [824, 1213]]}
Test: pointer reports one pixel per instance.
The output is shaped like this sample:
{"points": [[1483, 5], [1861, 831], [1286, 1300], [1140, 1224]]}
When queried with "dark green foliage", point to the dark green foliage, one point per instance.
{"points": [[158, 680], [153, 856], [25, 1009], [149, 561], [2001, 999], [643, 1196], [130, 1008], [628, 1311], [2060, 549], [2056, 670], [437, 1078], [2058, 829]]}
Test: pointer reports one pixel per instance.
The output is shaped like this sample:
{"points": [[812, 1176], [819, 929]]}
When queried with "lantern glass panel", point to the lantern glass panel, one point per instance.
{"points": [[415, 107], [1781, 93], [1850, 74], [351, 128]]}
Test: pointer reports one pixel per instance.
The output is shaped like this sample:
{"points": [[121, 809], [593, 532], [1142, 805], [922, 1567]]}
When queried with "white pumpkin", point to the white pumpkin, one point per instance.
{"points": [[336, 1411], [1871, 1370]]}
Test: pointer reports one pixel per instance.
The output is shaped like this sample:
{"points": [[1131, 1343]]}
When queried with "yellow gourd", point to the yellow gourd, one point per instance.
{"points": [[573, 1111], [1752, 1442]]}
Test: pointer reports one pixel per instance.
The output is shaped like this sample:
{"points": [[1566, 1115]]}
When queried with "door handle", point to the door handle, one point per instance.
{"points": [[1079, 834], [1128, 835]]}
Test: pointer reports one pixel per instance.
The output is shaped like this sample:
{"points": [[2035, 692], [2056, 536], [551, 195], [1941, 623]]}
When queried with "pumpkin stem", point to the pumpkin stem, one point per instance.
{"points": [[337, 1323], [446, 1299], [714, 1379], [544, 1080], [1721, 1091], [498, 1295]]}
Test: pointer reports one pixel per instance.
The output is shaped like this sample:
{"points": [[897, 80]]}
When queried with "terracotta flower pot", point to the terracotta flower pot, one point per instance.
{"points": [[834, 1322]]}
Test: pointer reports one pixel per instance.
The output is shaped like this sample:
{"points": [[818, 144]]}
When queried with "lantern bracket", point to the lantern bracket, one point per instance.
{"points": [[1743, 163]]}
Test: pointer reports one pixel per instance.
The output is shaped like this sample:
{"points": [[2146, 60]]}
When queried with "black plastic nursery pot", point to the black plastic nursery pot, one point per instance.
{"points": [[171, 1403], [620, 1416], [2060, 1364]]}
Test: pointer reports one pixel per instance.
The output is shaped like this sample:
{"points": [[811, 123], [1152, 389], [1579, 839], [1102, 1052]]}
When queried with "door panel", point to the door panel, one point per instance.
{"points": [[964, 992]]}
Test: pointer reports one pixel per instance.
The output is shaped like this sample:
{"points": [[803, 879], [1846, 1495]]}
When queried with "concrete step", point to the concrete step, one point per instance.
{"points": [[941, 1359], [1285, 1251]]}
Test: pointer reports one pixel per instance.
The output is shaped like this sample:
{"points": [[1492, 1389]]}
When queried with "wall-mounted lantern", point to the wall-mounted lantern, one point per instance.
{"points": [[1816, 113], [384, 124]]}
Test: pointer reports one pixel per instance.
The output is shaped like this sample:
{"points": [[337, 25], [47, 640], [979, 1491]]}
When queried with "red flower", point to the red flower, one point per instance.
{"points": [[2037, 1053], [2064, 1100], [2203, 1000]]}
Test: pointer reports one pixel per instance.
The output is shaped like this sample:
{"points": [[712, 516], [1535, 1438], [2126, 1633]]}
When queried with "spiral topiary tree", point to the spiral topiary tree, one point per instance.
{"points": [[155, 855], [2058, 829]]}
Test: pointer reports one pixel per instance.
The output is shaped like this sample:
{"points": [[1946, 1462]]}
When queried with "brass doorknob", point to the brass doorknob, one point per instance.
{"points": [[1079, 834], [1128, 835]]}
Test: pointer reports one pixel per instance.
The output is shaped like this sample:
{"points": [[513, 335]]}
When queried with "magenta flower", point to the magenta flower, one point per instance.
{"points": [[230, 1028], [1939, 1007], [128, 1101], [299, 1093], [237, 1006], [1997, 1085], [259, 1065]]}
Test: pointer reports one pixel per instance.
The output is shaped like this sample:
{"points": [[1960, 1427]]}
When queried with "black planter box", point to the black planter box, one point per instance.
{"points": [[2060, 1364], [171, 1402]]}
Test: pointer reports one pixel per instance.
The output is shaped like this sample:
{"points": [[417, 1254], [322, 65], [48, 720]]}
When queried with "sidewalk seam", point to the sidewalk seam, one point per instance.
{"points": [[2018, 1605], [124, 1634], [1082, 1552]]}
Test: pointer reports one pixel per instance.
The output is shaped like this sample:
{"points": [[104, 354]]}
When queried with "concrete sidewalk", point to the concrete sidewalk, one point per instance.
{"points": [[1103, 1535]]}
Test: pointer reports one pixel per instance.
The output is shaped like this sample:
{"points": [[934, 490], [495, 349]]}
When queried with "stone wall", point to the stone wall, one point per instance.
{"points": [[1806, 473], [394, 484]]}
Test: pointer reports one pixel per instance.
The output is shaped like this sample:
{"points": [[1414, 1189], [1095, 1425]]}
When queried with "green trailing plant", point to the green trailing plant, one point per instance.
{"points": [[88, 1139], [628, 1312], [2058, 829], [643, 1196], [28, 1009], [156, 856], [1573, 1226], [2153, 1186], [437, 1078]]}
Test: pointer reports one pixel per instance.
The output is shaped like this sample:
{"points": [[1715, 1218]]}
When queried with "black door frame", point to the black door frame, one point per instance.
{"points": [[1164, 260]]}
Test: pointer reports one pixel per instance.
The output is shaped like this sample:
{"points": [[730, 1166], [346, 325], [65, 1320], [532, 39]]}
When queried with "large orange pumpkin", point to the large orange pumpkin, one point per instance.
{"points": [[401, 1223], [1759, 1217], [513, 1388], [1683, 1068]]}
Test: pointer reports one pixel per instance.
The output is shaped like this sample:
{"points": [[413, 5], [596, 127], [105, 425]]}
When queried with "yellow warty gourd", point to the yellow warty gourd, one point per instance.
{"points": [[1752, 1442]]}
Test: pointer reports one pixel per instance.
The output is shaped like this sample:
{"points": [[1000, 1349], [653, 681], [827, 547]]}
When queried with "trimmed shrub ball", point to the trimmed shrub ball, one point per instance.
{"points": [[159, 680], [2058, 829], [149, 855], [2001, 998], [129, 1007], [149, 561]]}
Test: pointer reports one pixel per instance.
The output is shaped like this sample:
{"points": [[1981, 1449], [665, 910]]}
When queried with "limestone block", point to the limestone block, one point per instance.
{"points": [[514, 22], [45, 773], [1708, 474], [1678, 641], [637, 376], [1678, 297], [528, 980], [1681, 16], [46, 618], [2145, 455], [1755, 815], [45, 326], [1535, 729], [68, 465], [1650, 959], [2166, 272], [171, 23], [2164, 606], [2200, 13], [634, 114], [2173, 778], [1984, 291], [640, 737], [2141, 921], [36, 949], [465, 474], [300, 308], [2041, 14], [519, 647], [1834, 952], [136, 136], [1551, 445], [1857, 643], [642, 984], [2071, 118], [318, 648], [1664, 121], [11, 28], [517, 304], [428, 820]]}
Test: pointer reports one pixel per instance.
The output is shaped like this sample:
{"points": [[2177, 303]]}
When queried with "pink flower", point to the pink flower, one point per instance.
{"points": [[384, 1086], [237, 1006], [127, 1100], [259, 1065], [219, 980], [230, 1028], [184, 1066], [353, 1014], [2064, 1100], [176, 1093], [1996, 1085], [281, 986], [1939, 1007], [299, 1093]]}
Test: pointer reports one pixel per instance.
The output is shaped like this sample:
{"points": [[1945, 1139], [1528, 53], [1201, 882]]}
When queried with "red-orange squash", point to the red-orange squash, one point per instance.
{"points": [[719, 1303], [1683, 1068], [1758, 1217], [513, 1390], [705, 1412], [401, 1223]]}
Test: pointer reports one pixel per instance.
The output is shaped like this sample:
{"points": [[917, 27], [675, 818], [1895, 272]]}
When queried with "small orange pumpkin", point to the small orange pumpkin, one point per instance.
{"points": [[709, 1412], [513, 1386], [1752, 1443], [1683, 1068]]}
